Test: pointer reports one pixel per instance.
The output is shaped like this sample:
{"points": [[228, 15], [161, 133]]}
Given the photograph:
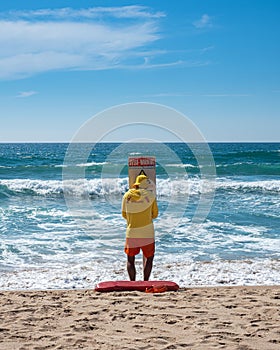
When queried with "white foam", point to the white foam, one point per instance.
{"points": [[264, 185], [185, 273], [111, 186], [180, 165], [40, 187], [91, 164]]}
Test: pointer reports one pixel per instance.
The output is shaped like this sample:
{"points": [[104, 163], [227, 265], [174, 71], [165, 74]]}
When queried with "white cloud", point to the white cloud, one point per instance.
{"points": [[133, 11], [24, 94], [203, 22], [66, 39], [227, 95]]}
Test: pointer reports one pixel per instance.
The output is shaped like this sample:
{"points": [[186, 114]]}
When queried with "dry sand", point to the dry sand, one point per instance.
{"points": [[240, 318]]}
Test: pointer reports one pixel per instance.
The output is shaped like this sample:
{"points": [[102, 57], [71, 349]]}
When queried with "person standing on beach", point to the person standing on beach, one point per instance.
{"points": [[139, 208]]}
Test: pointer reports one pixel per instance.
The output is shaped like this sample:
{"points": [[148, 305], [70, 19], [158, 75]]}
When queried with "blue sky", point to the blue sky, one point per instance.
{"points": [[216, 61]]}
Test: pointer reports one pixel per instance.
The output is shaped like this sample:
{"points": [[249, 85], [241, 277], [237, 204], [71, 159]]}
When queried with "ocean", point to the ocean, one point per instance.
{"points": [[61, 224]]}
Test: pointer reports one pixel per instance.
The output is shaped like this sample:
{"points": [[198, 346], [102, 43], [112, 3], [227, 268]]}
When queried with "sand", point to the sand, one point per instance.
{"points": [[240, 318]]}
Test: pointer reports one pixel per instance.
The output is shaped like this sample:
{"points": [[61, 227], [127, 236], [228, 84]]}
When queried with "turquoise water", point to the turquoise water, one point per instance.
{"points": [[61, 225]]}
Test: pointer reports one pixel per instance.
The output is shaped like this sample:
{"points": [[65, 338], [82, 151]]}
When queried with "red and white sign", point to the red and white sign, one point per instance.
{"points": [[141, 165], [142, 162]]}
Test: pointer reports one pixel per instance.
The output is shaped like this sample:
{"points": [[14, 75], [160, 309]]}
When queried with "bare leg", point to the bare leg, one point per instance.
{"points": [[131, 267], [147, 267]]}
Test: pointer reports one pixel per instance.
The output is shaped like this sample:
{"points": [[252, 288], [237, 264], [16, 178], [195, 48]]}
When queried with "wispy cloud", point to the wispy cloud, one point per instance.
{"points": [[148, 65], [38, 41], [227, 95], [133, 11], [24, 94], [204, 22]]}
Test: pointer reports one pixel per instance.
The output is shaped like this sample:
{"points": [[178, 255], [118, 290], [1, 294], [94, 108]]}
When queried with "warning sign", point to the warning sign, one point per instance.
{"points": [[141, 166]]}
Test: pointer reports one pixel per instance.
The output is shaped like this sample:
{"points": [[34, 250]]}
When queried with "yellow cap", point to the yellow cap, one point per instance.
{"points": [[139, 179]]}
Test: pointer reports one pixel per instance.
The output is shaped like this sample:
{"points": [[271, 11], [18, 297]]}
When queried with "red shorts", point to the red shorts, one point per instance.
{"points": [[133, 246]]}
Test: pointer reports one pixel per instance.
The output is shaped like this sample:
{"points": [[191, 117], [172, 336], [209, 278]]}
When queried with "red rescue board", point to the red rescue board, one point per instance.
{"points": [[116, 286]]}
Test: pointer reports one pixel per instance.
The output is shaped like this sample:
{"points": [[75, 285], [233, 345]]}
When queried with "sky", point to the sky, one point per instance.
{"points": [[215, 61]]}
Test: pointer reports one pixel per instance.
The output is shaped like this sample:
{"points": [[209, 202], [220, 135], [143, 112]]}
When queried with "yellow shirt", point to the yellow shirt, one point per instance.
{"points": [[139, 208]]}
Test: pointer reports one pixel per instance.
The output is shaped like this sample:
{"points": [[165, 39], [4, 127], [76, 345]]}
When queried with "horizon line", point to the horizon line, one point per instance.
{"points": [[166, 141]]}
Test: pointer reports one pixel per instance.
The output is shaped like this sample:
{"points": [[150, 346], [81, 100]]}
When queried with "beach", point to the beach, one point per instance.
{"points": [[239, 317], [61, 235], [97, 93]]}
